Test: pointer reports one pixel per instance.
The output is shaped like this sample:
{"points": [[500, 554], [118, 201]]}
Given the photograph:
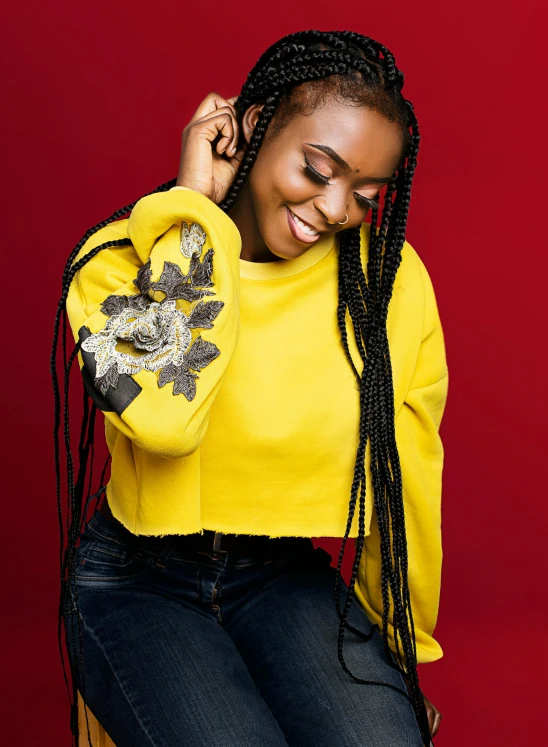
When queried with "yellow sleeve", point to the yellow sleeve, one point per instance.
{"points": [[421, 458], [159, 320]]}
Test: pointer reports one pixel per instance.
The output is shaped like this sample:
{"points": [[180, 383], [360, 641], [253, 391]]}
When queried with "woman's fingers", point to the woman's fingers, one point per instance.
{"points": [[210, 104], [434, 716], [238, 156], [234, 146], [224, 122], [437, 721], [209, 153]]}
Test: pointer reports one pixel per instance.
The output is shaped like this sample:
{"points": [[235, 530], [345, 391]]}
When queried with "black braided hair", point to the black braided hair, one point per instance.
{"points": [[72, 520], [295, 75]]}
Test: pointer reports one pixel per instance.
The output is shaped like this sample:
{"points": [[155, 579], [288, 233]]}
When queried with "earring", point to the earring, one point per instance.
{"points": [[342, 222]]}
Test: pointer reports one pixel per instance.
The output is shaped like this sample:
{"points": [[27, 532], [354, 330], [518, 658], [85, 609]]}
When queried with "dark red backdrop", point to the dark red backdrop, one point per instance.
{"points": [[96, 96]]}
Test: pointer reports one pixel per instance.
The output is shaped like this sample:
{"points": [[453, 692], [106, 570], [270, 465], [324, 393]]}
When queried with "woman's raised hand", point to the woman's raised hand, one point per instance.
{"points": [[207, 168]]}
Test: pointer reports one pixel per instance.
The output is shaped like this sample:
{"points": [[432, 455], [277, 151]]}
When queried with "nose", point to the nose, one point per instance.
{"points": [[333, 210]]}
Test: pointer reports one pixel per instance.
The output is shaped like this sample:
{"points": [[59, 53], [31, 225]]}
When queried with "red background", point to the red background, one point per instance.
{"points": [[96, 96]]}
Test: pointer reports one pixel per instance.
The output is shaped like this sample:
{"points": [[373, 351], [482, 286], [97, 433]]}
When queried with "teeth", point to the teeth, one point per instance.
{"points": [[304, 228]]}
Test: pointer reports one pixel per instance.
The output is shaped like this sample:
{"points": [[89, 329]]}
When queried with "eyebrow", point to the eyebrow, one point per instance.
{"points": [[342, 163]]}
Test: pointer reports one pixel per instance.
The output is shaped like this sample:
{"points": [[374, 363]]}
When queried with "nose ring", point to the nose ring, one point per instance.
{"points": [[342, 222]]}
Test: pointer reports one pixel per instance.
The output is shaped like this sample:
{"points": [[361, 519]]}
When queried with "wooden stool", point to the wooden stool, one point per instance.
{"points": [[99, 737]]}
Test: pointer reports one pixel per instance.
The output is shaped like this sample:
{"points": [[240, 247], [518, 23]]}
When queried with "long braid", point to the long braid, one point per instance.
{"points": [[70, 525], [361, 70]]}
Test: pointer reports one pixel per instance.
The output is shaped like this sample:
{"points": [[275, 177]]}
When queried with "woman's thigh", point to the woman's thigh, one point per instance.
{"points": [[287, 636], [157, 671]]}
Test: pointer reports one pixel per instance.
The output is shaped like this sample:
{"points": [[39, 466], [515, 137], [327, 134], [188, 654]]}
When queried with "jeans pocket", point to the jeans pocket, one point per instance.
{"points": [[103, 558]]}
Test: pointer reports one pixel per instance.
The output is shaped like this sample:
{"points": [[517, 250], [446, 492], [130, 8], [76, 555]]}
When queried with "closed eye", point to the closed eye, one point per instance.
{"points": [[311, 172], [318, 178], [366, 201]]}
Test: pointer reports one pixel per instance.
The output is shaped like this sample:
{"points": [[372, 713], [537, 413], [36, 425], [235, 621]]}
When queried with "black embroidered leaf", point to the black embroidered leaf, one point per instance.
{"points": [[200, 272], [194, 264], [167, 374], [114, 305], [183, 378], [188, 293], [171, 281], [200, 354], [109, 379], [204, 313], [138, 303], [185, 383], [143, 278]]}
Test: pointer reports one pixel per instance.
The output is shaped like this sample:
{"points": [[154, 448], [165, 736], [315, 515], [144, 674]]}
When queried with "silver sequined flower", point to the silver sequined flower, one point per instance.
{"points": [[160, 331]]}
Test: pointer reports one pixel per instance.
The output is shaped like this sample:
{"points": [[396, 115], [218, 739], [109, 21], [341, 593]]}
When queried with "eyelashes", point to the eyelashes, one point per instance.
{"points": [[374, 204], [318, 178], [310, 171]]}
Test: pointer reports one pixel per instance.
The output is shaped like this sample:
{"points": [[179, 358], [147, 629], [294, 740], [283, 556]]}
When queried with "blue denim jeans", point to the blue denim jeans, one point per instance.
{"points": [[182, 648]]}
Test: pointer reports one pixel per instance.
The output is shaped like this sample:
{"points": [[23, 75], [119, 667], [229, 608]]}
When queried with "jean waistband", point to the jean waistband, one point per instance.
{"points": [[210, 542]]}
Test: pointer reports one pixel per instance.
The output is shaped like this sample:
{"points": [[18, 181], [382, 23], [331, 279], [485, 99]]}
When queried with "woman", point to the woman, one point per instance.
{"points": [[267, 362]]}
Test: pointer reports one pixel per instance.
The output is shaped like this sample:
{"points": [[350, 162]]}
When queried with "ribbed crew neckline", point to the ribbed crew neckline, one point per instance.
{"points": [[284, 268]]}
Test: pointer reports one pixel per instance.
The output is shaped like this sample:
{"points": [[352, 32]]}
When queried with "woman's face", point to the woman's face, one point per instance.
{"points": [[319, 168]]}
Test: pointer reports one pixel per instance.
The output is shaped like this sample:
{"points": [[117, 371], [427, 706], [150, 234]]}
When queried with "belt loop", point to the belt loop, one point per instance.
{"points": [[166, 552], [217, 542], [216, 552]]}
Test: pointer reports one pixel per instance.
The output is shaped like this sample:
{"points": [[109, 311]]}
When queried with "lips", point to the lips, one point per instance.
{"points": [[297, 230]]}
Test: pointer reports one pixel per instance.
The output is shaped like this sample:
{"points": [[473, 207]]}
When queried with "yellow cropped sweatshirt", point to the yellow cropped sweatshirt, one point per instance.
{"points": [[229, 402]]}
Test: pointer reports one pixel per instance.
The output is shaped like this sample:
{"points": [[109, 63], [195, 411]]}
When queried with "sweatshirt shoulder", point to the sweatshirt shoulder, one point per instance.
{"points": [[413, 295], [111, 232], [412, 271], [415, 278], [412, 274]]}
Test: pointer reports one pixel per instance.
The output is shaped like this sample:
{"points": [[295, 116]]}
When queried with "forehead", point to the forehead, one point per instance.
{"points": [[365, 139]]}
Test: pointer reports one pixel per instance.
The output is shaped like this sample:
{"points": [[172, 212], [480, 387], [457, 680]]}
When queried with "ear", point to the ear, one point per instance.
{"points": [[249, 120]]}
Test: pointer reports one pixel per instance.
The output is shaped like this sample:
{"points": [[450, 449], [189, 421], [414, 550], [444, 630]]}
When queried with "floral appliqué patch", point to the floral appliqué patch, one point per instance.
{"points": [[156, 336]]}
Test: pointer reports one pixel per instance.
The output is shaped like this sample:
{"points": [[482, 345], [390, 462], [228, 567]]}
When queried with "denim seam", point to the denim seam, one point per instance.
{"points": [[185, 561], [122, 690], [108, 537], [88, 555], [81, 579], [130, 545], [120, 554]]}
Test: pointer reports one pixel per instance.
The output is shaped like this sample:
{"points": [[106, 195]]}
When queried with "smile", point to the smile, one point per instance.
{"points": [[301, 230]]}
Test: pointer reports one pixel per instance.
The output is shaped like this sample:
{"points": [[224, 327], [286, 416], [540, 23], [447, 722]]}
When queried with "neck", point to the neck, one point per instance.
{"points": [[243, 214]]}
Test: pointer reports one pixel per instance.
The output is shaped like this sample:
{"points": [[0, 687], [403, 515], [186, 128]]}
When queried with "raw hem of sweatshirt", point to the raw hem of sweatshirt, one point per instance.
{"points": [[312, 532], [317, 532]]}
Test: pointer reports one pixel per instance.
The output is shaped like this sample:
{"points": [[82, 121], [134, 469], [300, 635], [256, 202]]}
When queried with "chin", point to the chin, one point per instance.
{"points": [[289, 253], [282, 244]]}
